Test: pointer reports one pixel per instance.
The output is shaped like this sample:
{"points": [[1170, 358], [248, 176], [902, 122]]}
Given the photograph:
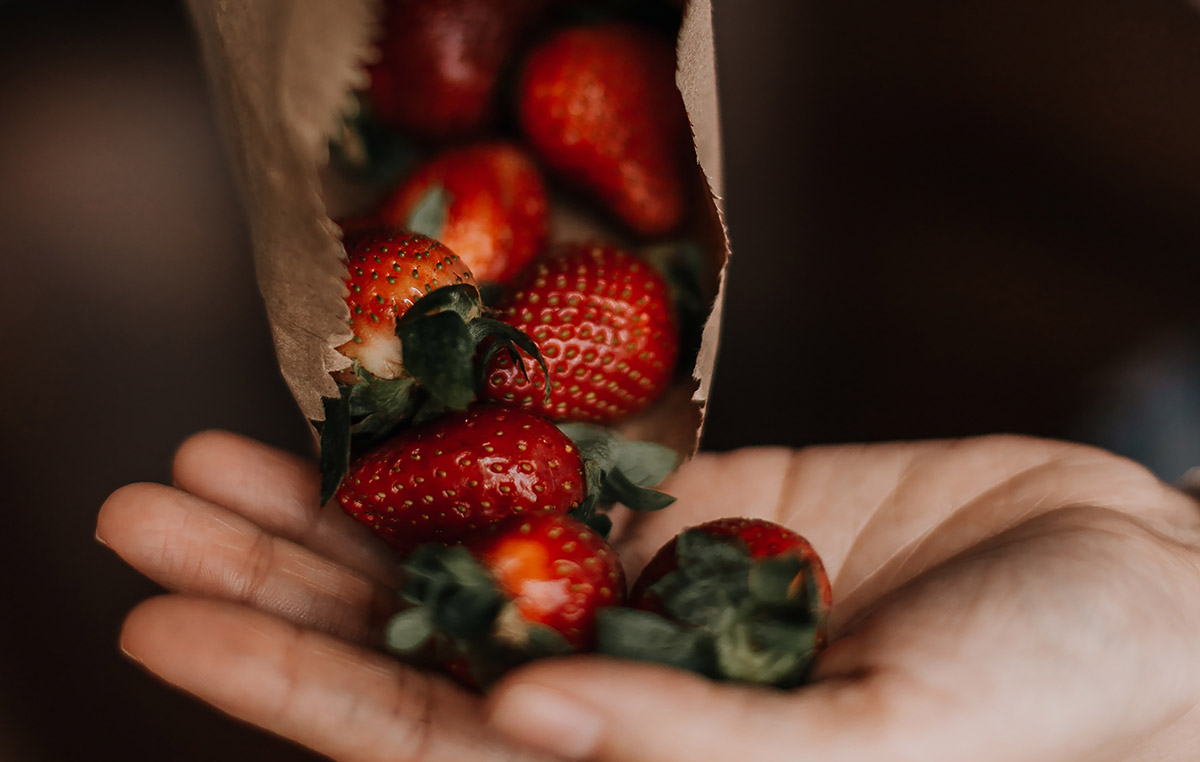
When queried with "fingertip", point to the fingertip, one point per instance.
{"points": [[195, 454], [124, 509], [144, 625]]}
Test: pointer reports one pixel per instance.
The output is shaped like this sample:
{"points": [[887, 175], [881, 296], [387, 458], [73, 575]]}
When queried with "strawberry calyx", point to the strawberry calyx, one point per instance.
{"points": [[457, 613], [447, 343], [723, 614], [617, 470], [428, 216]]}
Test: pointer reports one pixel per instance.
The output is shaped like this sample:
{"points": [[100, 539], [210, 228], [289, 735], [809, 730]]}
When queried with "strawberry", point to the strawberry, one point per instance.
{"points": [[486, 202], [530, 588], [735, 598], [604, 321], [389, 270], [465, 471], [440, 61], [599, 105]]}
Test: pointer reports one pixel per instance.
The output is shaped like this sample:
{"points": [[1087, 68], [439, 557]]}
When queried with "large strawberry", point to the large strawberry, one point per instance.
{"points": [[599, 105], [440, 61], [529, 589], [740, 599], [466, 471], [486, 202], [462, 472], [604, 322]]}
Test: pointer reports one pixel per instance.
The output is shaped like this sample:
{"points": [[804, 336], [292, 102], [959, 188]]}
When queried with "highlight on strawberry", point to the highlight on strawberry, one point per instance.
{"points": [[733, 599]]}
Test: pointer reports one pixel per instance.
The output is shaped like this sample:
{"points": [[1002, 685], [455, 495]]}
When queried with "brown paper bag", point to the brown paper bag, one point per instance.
{"points": [[281, 72]]}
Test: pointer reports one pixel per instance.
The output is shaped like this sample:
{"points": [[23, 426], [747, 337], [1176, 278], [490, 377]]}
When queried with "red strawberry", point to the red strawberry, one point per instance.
{"points": [[389, 270], [531, 588], [461, 473], [440, 61], [491, 211], [599, 105], [605, 324], [557, 571], [742, 599]]}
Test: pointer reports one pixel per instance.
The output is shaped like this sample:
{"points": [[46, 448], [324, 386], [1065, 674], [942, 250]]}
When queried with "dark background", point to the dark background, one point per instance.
{"points": [[963, 216]]}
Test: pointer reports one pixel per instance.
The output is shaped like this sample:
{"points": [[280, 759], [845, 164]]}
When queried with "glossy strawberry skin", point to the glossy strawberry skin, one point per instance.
{"points": [[462, 473], [388, 271], [605, 323], [557, 571], [599, 105], [495, 218], [440, 61], [763, 539]]}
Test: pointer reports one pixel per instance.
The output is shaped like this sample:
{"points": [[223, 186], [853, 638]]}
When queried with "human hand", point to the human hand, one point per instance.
{"points": [[995, 600], [978, 586]]}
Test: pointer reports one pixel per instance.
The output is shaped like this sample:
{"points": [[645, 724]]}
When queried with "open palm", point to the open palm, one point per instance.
{"points": [[995, 599]]}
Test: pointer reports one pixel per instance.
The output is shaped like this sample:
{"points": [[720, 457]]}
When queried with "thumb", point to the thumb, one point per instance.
{"points": [[603, 709]]}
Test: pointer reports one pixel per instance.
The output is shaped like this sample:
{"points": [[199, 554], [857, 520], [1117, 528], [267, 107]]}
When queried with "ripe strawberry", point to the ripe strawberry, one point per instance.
{"points": [[389, 270], [463, 472], [440, 61], [599, 105], [531, 588], [558, 572], [742, 599], [605, 324], [489, 207]]}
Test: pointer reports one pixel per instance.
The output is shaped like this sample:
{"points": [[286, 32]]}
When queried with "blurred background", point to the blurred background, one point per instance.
{"points": [[966, 217]]}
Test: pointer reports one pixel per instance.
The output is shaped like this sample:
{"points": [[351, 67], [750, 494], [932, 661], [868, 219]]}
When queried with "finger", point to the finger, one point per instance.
{"points": [[190, 545], [279, 492], [339, 700], [612, 711]]}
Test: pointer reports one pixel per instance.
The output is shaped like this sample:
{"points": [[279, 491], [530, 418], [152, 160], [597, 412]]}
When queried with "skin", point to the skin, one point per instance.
{"points": [[996, 599]]}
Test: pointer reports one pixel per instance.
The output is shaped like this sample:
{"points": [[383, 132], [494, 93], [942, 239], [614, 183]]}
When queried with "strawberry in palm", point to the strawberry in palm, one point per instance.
{"points": [[529, 589], [605, 323], [599, 105], [739, 599], [486, 202]]}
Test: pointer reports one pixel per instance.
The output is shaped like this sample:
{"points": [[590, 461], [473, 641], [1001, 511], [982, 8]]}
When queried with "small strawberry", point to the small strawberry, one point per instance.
{"points": [[739, 599], [463, 472], [599, 105], [440, 61], [486, 202], [531, 588], [388, 271], [605, 324]]}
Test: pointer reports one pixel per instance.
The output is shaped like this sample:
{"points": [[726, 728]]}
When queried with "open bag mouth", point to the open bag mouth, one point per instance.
{"points": [[282, 73]]}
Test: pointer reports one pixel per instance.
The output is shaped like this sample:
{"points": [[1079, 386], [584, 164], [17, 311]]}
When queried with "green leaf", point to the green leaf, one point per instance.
{"points": [[766, 652], [378, 406], [645, 636], [409, 630], [428, 216], [461, 299], [619, 488], [505, 337], [439, 353], [771, 580], [335, 444], [645, 464]]}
